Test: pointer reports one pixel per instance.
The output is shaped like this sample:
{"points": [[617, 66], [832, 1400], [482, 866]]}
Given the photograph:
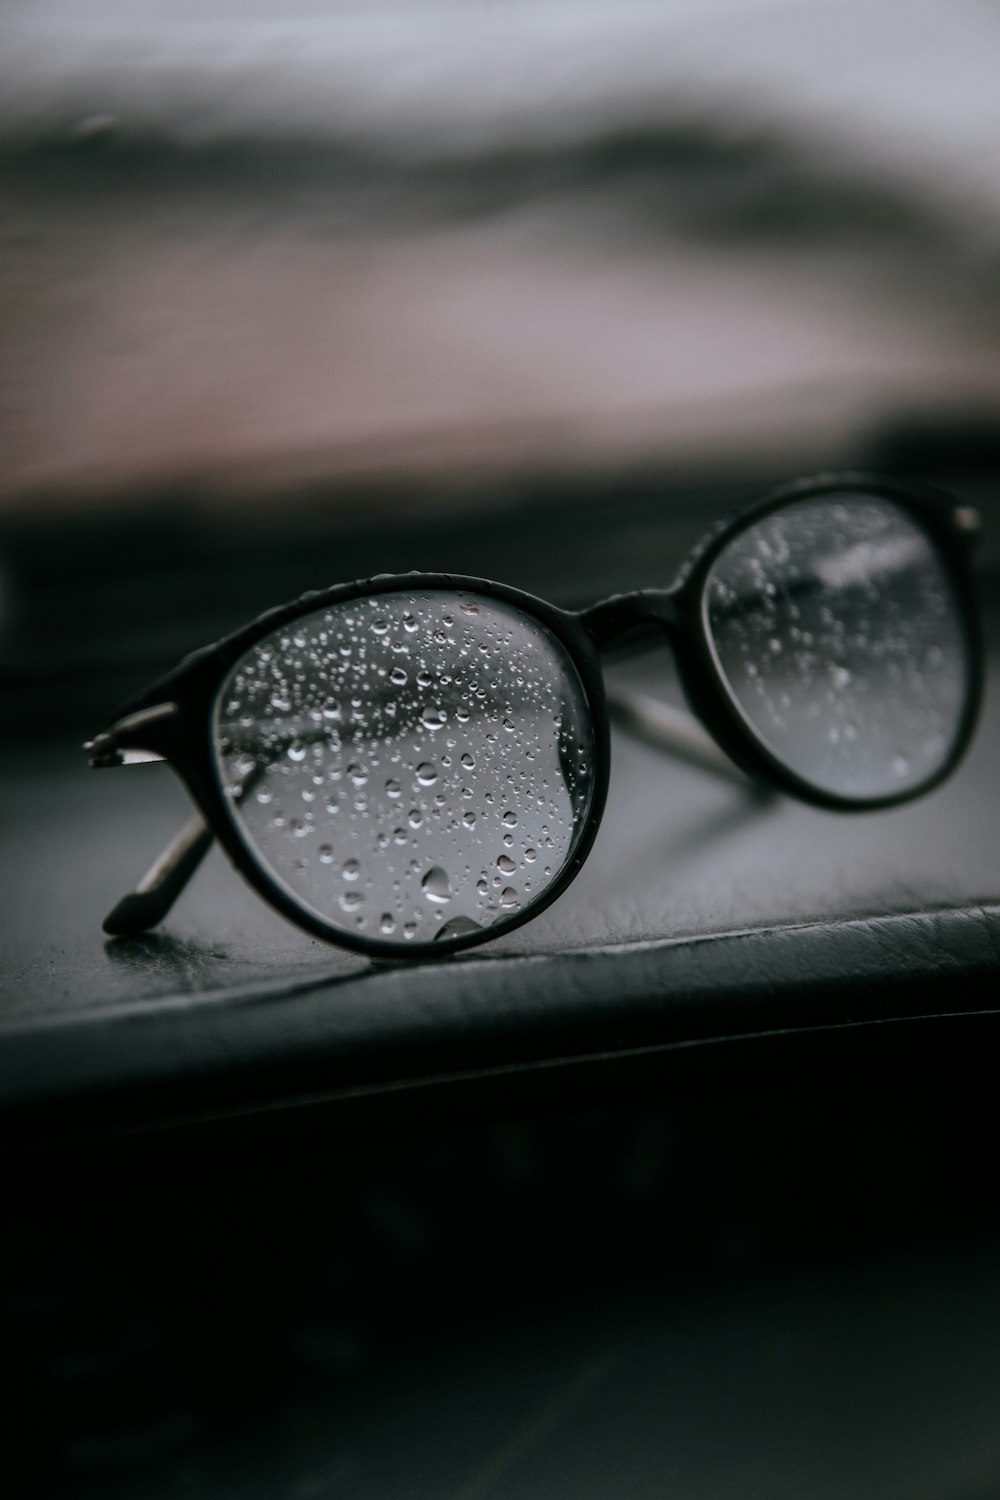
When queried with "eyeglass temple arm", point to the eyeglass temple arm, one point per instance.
{"points": [[149, 903], [145, 907], [677, 733]]}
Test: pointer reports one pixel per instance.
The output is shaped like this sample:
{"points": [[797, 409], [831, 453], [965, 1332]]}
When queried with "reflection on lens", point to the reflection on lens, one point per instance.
{"points": [[409, 766], [839, 636]]}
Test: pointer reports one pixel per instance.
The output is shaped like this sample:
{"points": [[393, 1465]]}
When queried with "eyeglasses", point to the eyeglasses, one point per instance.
{"points": [[420, 763]]}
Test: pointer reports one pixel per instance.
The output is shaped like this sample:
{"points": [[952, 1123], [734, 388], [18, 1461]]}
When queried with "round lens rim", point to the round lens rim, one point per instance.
{"points": [[932, 512], [197, 690]]}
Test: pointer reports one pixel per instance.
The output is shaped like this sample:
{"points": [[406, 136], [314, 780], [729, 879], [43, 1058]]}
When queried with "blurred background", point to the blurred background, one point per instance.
{"points": [[295, 294]]}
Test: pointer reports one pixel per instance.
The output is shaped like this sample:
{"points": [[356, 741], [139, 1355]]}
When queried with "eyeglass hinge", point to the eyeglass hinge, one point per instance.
{"points": [[122, 744]]}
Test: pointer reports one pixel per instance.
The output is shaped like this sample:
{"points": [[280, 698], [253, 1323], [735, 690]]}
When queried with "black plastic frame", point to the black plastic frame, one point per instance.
{"points": [[174, 717]]}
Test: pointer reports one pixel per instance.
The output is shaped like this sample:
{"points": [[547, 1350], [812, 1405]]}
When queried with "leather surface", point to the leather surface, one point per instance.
{"points": [[702, 913]]}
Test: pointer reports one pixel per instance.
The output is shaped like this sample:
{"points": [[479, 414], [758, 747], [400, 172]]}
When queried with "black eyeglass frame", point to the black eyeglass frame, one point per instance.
{"points": [[173, 718]]}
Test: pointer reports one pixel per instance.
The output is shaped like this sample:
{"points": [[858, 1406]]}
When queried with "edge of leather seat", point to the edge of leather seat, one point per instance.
{"points": [[384, 1028]]}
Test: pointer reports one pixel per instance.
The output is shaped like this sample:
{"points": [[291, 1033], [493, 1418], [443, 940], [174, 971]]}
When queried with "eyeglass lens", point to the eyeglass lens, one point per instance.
{"points": [[410, 765], [838, 633]]}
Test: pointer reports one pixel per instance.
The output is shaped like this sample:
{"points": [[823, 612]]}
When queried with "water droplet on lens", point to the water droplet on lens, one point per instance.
{"points": [[840, 677], [424, 679], [469, 819], [326, 854], [469, 609], [296, 751], [427, 773], [393, 789], [775, 646], [508, 896], [531, 855], [358, 774], [506, 864], [468, 761], [387, 924], [379, 627], [510, 818], [409, 623], [900, 766], [409, 929], [415, 818], [436, 886], [433, 718], [280, 703], [352, 869], [397, 676], [351, 900]]}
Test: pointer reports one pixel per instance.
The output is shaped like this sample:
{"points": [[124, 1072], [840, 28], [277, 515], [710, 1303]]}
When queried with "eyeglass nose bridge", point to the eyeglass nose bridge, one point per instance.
{"points": [[642, 612]]}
